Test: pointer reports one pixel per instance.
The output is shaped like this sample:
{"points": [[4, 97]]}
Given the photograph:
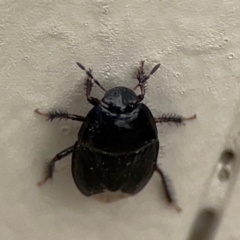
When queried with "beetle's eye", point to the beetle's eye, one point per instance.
{"points": [[129, 107]]}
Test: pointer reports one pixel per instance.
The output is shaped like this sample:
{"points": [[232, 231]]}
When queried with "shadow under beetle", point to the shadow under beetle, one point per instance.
{"points": [[117, 146]]}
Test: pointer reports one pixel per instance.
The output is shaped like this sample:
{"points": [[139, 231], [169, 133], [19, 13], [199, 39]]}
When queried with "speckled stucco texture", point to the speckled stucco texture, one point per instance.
{"points": [[197, 44]]}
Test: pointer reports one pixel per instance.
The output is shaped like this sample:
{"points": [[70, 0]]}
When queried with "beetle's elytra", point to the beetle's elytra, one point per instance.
{"points": [[117, 145]]}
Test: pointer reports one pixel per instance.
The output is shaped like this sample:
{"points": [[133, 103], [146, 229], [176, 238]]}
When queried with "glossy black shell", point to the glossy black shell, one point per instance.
{"points": [[115, 151]]}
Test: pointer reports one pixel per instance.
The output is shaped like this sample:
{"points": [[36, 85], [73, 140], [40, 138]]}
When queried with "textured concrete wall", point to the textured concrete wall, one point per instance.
{"points": [[197, 44]]}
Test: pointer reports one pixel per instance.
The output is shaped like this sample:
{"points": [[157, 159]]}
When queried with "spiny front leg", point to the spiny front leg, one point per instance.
{"points": [[178, 119], [60, 114], [89, 84], [140, 73], [50, 165]]}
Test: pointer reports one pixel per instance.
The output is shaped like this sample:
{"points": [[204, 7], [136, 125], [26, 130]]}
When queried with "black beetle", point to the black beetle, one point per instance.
{"points": [[117, 146]]}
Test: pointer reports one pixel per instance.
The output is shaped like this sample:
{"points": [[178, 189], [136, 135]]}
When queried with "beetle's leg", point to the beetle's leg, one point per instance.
{"points": [[89, 73], [142, 79], [178, 119], [88, 85], [167, 190], [60, 114], [50, 165], [140, 74]]}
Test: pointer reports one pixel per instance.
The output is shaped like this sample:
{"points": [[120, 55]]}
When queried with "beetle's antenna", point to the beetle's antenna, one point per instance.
{"points": [[89, 74], [141, 77]]}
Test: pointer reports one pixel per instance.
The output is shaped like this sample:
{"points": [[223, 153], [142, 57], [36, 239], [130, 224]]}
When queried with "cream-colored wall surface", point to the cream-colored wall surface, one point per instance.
{"points": [[198, 46]]}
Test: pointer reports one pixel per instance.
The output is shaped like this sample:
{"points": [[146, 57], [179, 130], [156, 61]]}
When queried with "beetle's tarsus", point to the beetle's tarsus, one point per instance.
{"points": [[51, 114], [48, 172], [194, 116], [177, 207], [169, 193], [51, 165], [41, 113], [43, 181]]}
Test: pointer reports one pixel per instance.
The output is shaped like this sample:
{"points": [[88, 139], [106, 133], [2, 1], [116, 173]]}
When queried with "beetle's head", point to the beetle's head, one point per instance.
{"points": [[120, 100]]}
